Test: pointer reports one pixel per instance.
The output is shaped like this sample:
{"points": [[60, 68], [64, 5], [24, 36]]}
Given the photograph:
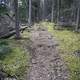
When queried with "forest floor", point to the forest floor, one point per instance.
{"points": [[43, 53], [69, 47], [46, 63], [14, 58]]}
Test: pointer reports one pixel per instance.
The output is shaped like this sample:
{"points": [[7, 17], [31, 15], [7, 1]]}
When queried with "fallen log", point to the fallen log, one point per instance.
{"points": [[11, 33]]}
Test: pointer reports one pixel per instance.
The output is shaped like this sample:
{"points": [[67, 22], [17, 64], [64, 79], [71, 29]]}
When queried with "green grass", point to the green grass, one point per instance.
{"points": [[14, 59], [69, 42]]}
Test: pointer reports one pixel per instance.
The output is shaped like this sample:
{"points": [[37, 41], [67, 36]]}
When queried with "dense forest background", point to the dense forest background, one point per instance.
{"points": [[61, 12]]}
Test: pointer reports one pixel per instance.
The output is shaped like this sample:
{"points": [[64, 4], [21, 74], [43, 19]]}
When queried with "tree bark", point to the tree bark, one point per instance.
{"points": [[58, 10], [17, 27], [30, 11], [43, 9], [52, 15], [77, 20], [26, 3]]}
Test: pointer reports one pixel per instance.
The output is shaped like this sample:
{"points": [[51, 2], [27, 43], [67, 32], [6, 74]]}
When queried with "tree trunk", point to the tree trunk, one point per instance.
{"points": [[52, 15], [30, 11], [58, 10], [43, 10], [26, 3], [77, 20], [17, 27]]}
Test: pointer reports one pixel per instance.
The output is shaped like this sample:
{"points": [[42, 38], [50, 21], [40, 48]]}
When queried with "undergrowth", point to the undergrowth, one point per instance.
{"points": [[69, 42], [13, 58]]}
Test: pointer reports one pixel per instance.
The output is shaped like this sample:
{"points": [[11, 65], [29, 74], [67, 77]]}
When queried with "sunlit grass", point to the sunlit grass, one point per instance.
{"points": [[69, 42]]}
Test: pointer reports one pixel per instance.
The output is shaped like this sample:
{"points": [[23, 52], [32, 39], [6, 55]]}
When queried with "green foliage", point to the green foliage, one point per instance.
{"points": [[15, 61], [3, 42], [23, 10], [22, 13], [3, 9], [69, 42], [4, 49], [66, 3]]}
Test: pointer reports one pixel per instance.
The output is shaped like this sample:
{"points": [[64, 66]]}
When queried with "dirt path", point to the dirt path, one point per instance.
{"points": [[46, 63]]}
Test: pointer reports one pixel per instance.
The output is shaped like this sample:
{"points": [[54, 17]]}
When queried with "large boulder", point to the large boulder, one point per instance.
{"points": [[5, 25]]}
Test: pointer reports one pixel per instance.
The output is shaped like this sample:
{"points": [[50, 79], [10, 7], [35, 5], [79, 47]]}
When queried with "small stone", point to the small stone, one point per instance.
{"points": [[34, 61]]}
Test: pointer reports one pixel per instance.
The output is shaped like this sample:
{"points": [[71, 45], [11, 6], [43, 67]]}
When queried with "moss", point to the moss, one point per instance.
{"points": [[69, 42], [14, 63]]}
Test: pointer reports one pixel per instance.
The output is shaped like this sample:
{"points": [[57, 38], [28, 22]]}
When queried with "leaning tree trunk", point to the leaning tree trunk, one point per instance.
{"points": [[17, 27], [30, 11]]}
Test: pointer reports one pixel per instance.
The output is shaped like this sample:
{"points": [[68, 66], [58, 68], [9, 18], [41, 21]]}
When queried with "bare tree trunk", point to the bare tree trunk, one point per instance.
{"points": [[26, 10], [43, 10], [58, 10], [17, 27], [30, 11], [52, 15], [40, 10], [77, 20]]}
